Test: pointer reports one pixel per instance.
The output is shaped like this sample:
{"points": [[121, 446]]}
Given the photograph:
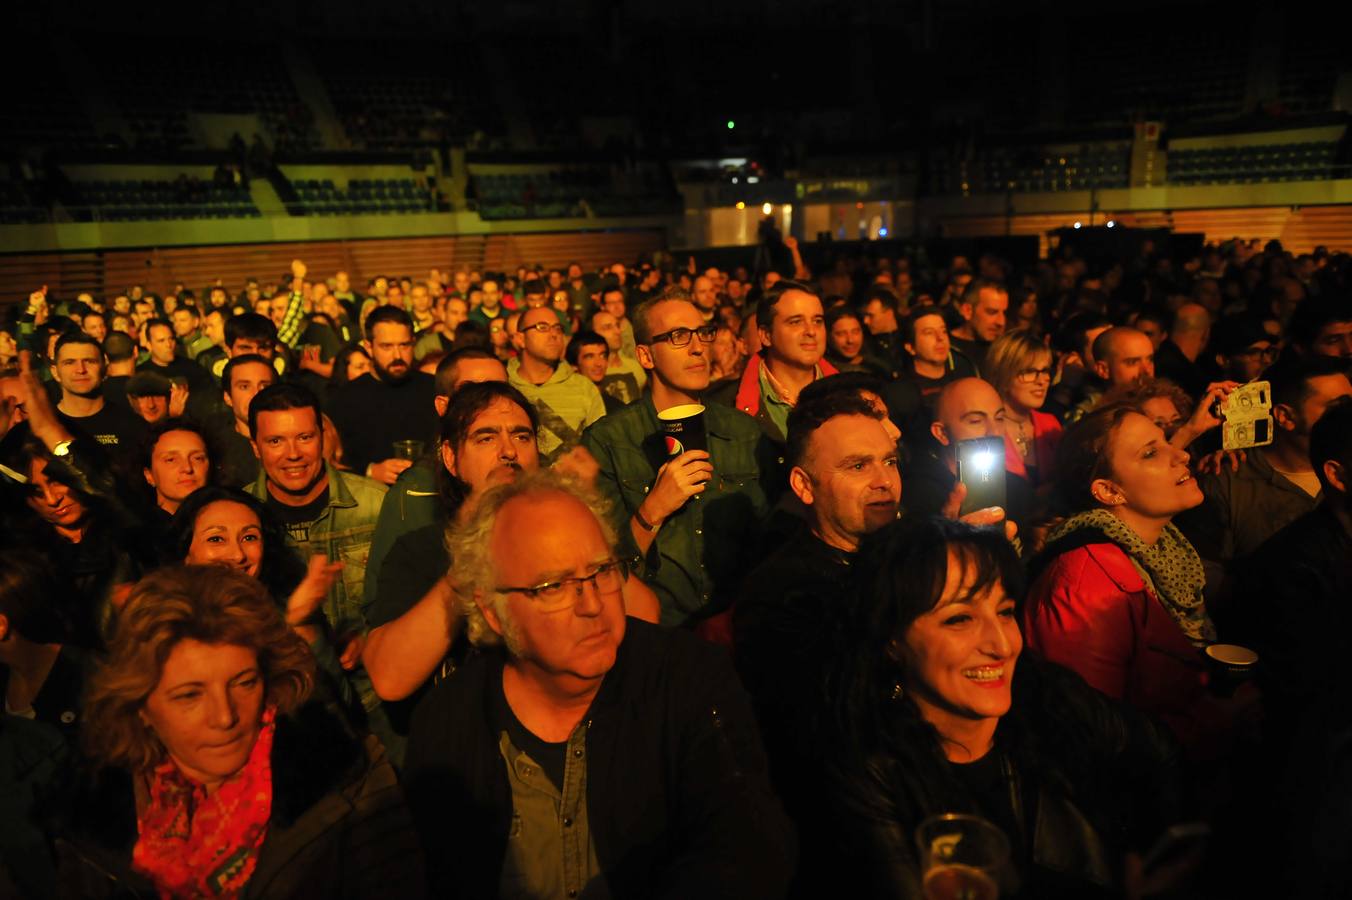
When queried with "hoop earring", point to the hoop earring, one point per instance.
{"points": [[897, 692]]}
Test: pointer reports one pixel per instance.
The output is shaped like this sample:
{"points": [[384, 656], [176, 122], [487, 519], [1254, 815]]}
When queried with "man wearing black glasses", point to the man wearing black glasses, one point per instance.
{"points": [[582, 752], [566, 401], [691, 516]]}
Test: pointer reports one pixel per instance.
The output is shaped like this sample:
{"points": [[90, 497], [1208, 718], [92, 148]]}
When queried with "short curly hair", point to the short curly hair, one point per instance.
{"points": [[471, 556], [209, 604]]}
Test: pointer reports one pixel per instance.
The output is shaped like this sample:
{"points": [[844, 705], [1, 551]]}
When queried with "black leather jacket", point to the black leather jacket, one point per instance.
{"points": [[1086, 780]]}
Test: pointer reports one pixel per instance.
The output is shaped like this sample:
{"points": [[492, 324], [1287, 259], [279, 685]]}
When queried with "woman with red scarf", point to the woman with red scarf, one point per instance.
{"points": [[219, 779]]}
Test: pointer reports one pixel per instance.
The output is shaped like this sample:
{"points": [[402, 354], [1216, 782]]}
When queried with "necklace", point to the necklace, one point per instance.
{"points": [[1021, 440]]}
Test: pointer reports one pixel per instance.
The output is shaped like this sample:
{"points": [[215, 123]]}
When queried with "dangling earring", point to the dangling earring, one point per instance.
{"points": [[897, 692]]}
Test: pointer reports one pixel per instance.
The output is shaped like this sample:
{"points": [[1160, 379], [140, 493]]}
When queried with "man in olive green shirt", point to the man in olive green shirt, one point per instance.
{"points": [[691, 517]]}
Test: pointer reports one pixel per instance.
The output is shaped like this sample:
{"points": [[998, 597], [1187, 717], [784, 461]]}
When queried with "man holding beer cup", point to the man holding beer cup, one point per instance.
{"points": [[682, 477]]}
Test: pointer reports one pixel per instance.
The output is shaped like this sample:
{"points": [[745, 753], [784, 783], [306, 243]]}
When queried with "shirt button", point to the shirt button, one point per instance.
{"points": [[699, 531], [577, 754], [645, 490], [567, 822]]}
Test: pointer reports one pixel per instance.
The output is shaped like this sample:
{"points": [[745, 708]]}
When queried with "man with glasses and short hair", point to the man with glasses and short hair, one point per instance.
{"points": [[566, 401], [692, 516], [603, 754]]}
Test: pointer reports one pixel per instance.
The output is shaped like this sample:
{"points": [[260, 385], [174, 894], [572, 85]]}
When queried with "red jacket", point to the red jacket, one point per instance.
{"points": [[1091, 612], [748, 390]]}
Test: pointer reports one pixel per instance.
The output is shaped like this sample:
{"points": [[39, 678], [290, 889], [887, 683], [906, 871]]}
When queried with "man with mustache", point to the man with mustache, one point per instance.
{"points": [[392, 402]]}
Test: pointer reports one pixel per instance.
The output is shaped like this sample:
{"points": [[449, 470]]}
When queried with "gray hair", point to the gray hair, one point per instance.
{"points": [[472, 569]]}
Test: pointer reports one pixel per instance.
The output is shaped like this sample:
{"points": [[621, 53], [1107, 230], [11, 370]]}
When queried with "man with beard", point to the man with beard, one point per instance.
{"points": [[79, 370], [391, 403]]}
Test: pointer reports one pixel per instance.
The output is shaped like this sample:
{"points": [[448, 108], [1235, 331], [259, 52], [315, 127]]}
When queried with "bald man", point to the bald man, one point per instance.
{"points": [[965, 409], [1124, 357], [1179, 356], [566, 400]]}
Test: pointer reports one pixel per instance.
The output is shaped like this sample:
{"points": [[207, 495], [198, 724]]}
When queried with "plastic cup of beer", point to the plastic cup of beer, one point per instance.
{"points": [[961, 857], [1229, 666], [683, 428], [411, 450]]}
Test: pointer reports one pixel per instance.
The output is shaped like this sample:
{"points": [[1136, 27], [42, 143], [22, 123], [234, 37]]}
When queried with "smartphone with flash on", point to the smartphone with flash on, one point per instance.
{"points": [[981, 466]]}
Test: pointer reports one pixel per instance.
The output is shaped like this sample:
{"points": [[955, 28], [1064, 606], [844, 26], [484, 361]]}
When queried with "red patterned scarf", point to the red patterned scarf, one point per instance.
{"points": [[194, 845]]}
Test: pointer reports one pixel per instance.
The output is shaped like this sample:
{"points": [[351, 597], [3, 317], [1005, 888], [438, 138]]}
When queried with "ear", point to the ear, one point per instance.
{"points": [[448, 457], [801, 484], [1101, 369], [366, 345], [150, 480], [1284, 416], [764, 334], [4, 627], [939, 432], [896, 651], [1107, 493], [490, 614], [965, 310], [1335, 475], [253, 444], [439, 403], [645, 356]]}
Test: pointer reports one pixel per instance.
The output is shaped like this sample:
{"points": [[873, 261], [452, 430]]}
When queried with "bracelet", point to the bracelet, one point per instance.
{"points": [[644, 523]]}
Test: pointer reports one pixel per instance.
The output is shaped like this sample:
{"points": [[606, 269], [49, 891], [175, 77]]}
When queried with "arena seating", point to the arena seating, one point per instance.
{"points": [[131, 200], [1253, 163], [362, 196], [1031, 170]]}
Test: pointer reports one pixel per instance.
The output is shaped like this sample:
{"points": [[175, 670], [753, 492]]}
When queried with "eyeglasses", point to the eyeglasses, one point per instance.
{"points": [[1268, 352], [545, 328], [679, 337], [1028, 376], [555, 595]]}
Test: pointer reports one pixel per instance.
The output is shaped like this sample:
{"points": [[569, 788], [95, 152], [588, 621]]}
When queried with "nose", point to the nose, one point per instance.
{"points": [[223, 713], [999, 644], [52, 495], [507, 449], [588, 601]]}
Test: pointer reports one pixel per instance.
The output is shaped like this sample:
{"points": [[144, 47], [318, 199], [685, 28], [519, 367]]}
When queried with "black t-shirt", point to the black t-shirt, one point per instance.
{"points": [[987, 786], [549, 756], [119, 432], [371, 415], [297, 519]]}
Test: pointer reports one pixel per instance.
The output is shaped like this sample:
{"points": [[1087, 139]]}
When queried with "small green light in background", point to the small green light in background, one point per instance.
{"points": [[731, 124]]}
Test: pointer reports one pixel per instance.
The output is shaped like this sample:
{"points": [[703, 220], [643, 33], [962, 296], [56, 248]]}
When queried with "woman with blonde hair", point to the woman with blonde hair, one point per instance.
{"points": [[218, 775], [1019, 367]]}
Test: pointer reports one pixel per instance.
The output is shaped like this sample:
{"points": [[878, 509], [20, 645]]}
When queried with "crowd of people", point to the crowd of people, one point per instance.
{"points": [[317, 589]]}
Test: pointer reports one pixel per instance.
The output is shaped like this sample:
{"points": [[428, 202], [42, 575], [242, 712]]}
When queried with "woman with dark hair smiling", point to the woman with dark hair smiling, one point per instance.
{"points": [[218, 778], [930, 718]]}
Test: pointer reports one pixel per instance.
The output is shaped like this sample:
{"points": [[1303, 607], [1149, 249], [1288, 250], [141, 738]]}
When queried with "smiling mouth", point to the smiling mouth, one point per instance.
{"points": [[1187, 476], [985, 673]]}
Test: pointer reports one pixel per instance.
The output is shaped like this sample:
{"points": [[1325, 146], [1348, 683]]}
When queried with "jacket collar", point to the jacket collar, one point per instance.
{"points": [[748, 390], [339, 495]]}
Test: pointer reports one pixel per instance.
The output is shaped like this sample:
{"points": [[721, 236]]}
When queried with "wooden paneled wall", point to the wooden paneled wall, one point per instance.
{"points": [[111, 271]]}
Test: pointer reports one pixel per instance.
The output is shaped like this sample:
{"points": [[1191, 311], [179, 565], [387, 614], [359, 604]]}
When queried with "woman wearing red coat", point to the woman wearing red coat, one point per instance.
{"points": [[1117, 595]]}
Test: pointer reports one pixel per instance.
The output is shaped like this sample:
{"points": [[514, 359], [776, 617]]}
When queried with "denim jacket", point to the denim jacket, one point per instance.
{"points": [[342, 532], [699, 554]]}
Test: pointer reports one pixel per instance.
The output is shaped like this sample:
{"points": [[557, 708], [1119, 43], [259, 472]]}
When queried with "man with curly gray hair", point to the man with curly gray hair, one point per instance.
{"points": [[597, 751]]}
